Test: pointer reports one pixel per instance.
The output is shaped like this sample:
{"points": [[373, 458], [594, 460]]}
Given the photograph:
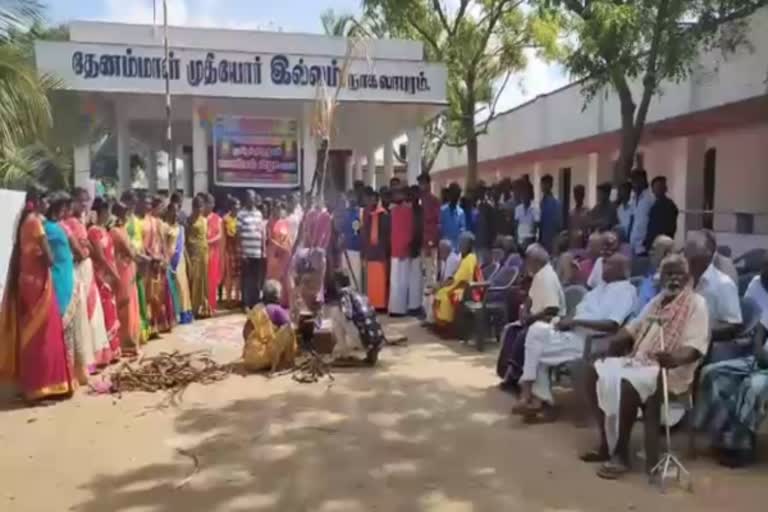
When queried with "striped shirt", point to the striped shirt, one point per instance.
{"points": [[250, 229]]}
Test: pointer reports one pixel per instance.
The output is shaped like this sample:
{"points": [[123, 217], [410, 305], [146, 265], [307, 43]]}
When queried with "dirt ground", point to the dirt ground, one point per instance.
{"points": [[427, 430]]}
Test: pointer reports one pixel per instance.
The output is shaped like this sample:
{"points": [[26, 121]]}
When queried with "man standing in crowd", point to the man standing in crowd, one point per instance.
{"points": [[579, 217], [624, 209], [662, 218], [641, 207], [350, 229], [453, 221], [430, 208], [485, 225], [526, 216], [401, 215], [250, 232], [603, 215], [375, 244], [551, 214]]}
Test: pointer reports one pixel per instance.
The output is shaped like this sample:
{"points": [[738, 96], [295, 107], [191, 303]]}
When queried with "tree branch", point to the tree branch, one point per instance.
{"points": [[650, 80], [459, 15], [428, 38], [441, 15]]}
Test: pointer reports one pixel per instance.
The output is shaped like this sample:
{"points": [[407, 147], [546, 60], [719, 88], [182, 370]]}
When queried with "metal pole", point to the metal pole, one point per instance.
{"points": [[168, 112]]}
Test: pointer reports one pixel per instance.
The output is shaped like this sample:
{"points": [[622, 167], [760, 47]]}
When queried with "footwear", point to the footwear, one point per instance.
{"points": [[612, 470], [593, 456]]}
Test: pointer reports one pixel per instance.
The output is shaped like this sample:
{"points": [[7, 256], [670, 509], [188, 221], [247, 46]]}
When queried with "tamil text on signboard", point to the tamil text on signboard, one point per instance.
{"points": [[252, 152]]}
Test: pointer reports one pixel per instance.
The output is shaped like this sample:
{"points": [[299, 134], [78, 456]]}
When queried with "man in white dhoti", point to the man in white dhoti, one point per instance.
{"points": [[602, 311], [629, 379]]}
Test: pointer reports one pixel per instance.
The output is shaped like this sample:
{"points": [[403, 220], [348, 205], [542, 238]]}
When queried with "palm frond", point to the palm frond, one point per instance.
{"points": [[18, 15]]}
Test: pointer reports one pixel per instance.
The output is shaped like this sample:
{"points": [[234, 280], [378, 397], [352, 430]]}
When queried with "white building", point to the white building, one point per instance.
{"points": [[707, 135], [244, 101]]}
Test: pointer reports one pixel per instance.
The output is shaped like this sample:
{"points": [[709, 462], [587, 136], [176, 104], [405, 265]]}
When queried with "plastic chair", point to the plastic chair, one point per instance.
{"points": [[574, 294], [640, 265], [751, 261], [744, 280], [488, 315], [490, 270]]}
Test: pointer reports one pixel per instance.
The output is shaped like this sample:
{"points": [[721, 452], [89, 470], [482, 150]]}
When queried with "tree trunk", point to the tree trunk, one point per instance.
{"points": [[471, 159], [629, 135]]}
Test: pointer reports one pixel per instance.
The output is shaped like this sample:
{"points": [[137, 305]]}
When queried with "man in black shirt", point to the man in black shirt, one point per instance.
{"points": [[662, 219]]}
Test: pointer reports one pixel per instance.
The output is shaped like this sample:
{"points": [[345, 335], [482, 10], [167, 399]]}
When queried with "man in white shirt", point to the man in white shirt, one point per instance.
{"points": [[642, 201], [624, 209], [603, 310], [758, 292], [717, 289], [545, 295], [610, 244], [527, 217]]}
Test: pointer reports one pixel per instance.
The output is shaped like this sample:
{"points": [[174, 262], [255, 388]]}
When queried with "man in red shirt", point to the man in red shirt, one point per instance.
{"points": [[401, 218], [430, 206]]}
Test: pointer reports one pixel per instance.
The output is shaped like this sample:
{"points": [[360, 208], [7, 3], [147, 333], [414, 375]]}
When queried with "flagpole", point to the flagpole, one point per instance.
{"points": [[168, 112]]}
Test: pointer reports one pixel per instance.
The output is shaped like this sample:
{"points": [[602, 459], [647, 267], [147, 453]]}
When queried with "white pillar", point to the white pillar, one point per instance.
{"points": [[536, 180], [82, 159], [389, 162], [358, 167], [678, 183], [593, 160], [199, 154], [310, 148], [182, 168], [122, 129], [370, 169], [349, 171], [152, 164], [415, 139]]}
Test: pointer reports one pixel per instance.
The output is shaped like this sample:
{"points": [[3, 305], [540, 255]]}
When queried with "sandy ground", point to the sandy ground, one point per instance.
{"points": [[425, 431]]}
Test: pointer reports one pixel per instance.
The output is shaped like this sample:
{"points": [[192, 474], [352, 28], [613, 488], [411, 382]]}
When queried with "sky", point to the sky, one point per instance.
{"points": [[285, 15]]}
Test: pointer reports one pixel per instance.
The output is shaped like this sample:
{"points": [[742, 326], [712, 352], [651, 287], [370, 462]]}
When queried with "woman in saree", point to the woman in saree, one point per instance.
{"points": [[33, 352], [197, 252], [279, 247], [215, 242], [160, 308], [134, 228], [450, 292], [127, 294], [92, 344], [177, 266], [105, 270], [232, 255]]}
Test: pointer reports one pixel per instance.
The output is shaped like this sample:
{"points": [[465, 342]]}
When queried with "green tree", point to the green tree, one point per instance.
{"points": [[25, 110], [645, 41], [482, 43]]}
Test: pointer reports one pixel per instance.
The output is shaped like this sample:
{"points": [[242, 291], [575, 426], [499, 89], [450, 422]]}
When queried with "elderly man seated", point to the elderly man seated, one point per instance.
{"points": [[603, 310], [545, 301], [720, 293], [610, 244], [671, 332], [732, 400]]}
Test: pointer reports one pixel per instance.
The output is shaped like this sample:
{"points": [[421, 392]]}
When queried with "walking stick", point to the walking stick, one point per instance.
{"points": [[669, 464]]}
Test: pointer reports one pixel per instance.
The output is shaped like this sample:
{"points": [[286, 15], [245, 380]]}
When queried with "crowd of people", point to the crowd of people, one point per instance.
{"points": [[92, 281]]}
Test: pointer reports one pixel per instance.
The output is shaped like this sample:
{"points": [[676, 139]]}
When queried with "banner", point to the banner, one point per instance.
{"points": [[252, 152]]}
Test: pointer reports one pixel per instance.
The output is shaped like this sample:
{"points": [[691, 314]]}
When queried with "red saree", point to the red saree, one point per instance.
{"points": [[127, 294], [279, 256], [97, 235], [214, 259], [33, 353]]}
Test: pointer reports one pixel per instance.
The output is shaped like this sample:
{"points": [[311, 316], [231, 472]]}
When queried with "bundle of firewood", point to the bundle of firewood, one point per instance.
{"points": [[169, 372]]}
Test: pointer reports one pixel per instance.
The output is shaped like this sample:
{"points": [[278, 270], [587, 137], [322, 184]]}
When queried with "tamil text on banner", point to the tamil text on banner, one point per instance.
{"points": [[253, 152]]}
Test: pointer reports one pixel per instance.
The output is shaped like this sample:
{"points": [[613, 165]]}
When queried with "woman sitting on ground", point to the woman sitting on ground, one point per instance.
{"points": [[269, 339], [272, 294], [451, 291]]}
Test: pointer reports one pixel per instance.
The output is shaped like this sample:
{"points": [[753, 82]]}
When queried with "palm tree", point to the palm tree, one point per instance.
{"points": [[25, 111]]}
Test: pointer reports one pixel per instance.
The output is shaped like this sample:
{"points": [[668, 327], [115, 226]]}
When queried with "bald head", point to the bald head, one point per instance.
{"points": [[444, 249], [595, 244], [536, 257], [615, 268], [610, 244], [661, 248], [699, 253]]}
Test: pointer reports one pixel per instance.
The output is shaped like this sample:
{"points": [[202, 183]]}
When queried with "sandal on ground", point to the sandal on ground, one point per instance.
{"points": [[593, 456], [522, 408], [612, 470]]}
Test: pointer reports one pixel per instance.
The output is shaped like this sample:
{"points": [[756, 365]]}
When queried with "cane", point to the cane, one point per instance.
{"points": [[661, 471]]}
